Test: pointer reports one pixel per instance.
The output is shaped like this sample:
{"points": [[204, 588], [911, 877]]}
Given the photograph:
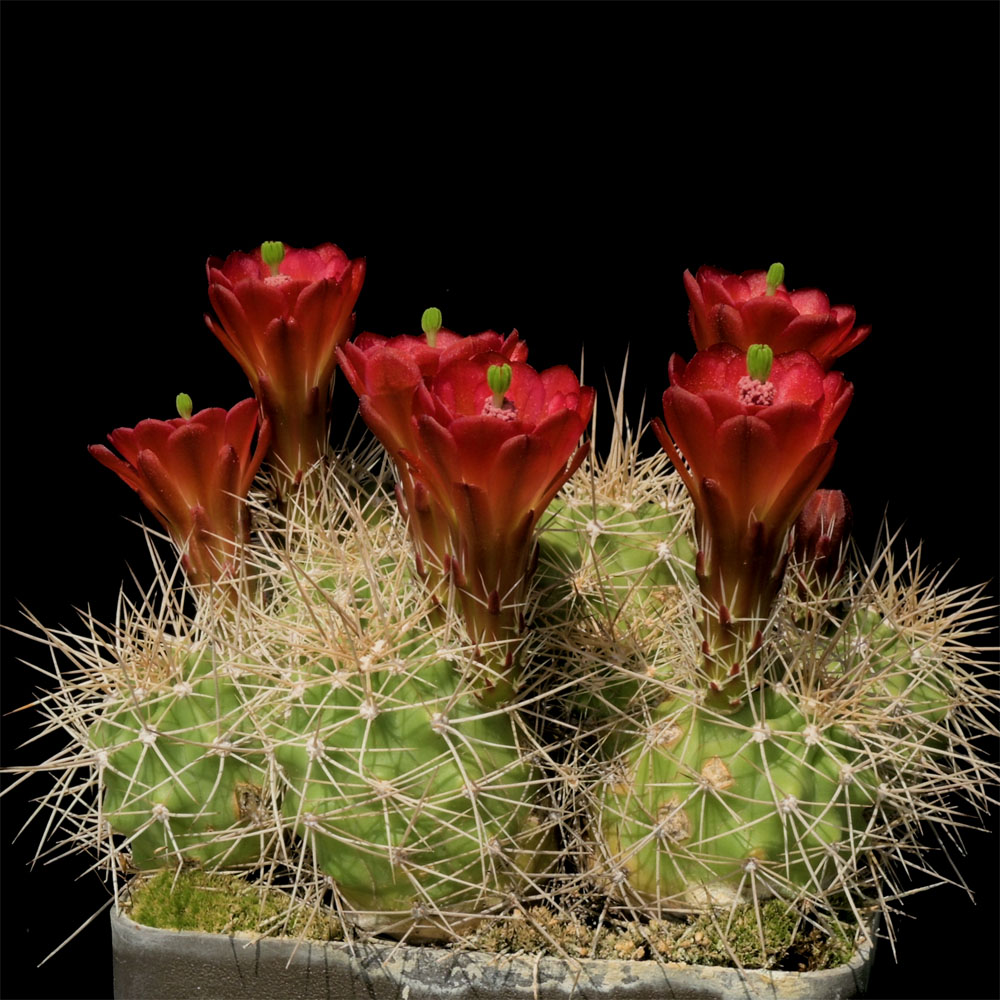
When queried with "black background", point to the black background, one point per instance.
{"points": [[553, 168]]}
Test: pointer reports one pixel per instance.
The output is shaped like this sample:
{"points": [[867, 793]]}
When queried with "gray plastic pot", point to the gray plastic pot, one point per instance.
{"points": [[153, 964]]}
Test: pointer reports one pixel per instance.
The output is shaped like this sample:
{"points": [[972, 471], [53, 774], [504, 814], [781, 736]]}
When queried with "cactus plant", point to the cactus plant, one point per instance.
{"points": [[412, 796], [527, 676]]}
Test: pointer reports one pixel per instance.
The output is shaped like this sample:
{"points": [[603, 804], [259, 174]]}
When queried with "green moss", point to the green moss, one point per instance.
{"points": [[194, 900], [779, 938], [789, 942]]}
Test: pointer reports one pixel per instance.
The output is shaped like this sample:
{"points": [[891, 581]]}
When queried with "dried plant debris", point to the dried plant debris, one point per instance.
{"points": [[776, 937]]}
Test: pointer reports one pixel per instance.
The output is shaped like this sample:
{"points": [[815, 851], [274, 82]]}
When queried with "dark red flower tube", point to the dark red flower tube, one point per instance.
{"points": [[751, 452], [282, 313], [745, 309], [194, 474]]}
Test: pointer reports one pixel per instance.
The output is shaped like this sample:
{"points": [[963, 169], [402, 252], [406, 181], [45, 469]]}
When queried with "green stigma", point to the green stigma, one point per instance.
{"points": [[759, 359], [498, 378], [273, 253], [184, 405], [430, 323], [775, 276]]}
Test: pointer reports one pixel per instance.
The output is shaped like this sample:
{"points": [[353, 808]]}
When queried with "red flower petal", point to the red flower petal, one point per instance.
{"points": [[354, 365], [799, 378], [724, 404], [561, 430], [213, 419], [561, 388], [720, 367], [461, 388], [391, 425], [323, 321], [692, 426], [812, 333], [169, 499], [720, 287], [437, 461], [764, 319], [514, 348], [115, 464], [478, 442], [455, 347], [123, 438], [810, 301], [239, 267], [302, 265], [185, 456], [668, 446], [529, 392], [522, 471], [747, 466], [221, 497], [736, 309], [232, 330], [801, 484], [151, 434]]}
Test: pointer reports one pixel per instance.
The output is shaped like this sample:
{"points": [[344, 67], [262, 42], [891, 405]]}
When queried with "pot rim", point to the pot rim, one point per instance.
{"points": [[425, 963]]}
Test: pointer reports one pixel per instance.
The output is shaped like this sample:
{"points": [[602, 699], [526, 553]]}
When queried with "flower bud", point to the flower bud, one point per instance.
{"points": [[184, 405], [820, 532]]}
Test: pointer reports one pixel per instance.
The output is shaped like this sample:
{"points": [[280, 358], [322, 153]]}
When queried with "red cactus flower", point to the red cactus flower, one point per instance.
{"points": [[388, 374], [748, 308], [754, 450], [193, 473], [282, 313], [493, 443], [477, 464]]}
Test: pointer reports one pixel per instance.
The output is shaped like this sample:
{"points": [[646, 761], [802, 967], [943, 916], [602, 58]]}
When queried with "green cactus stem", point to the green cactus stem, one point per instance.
{"points": [[410, 796], [609, 579], [181, 768], [706, 809]]}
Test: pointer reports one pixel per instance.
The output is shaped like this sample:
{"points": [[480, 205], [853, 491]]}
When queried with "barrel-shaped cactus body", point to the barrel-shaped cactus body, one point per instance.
{"points": [[904, 677], [612, 556], [613, 585], [409, 793], [182, 768], [702, 809]]}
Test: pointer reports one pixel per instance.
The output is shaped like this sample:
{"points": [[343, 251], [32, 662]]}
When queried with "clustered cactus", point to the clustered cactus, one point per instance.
{"points": [[478, 668]]}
